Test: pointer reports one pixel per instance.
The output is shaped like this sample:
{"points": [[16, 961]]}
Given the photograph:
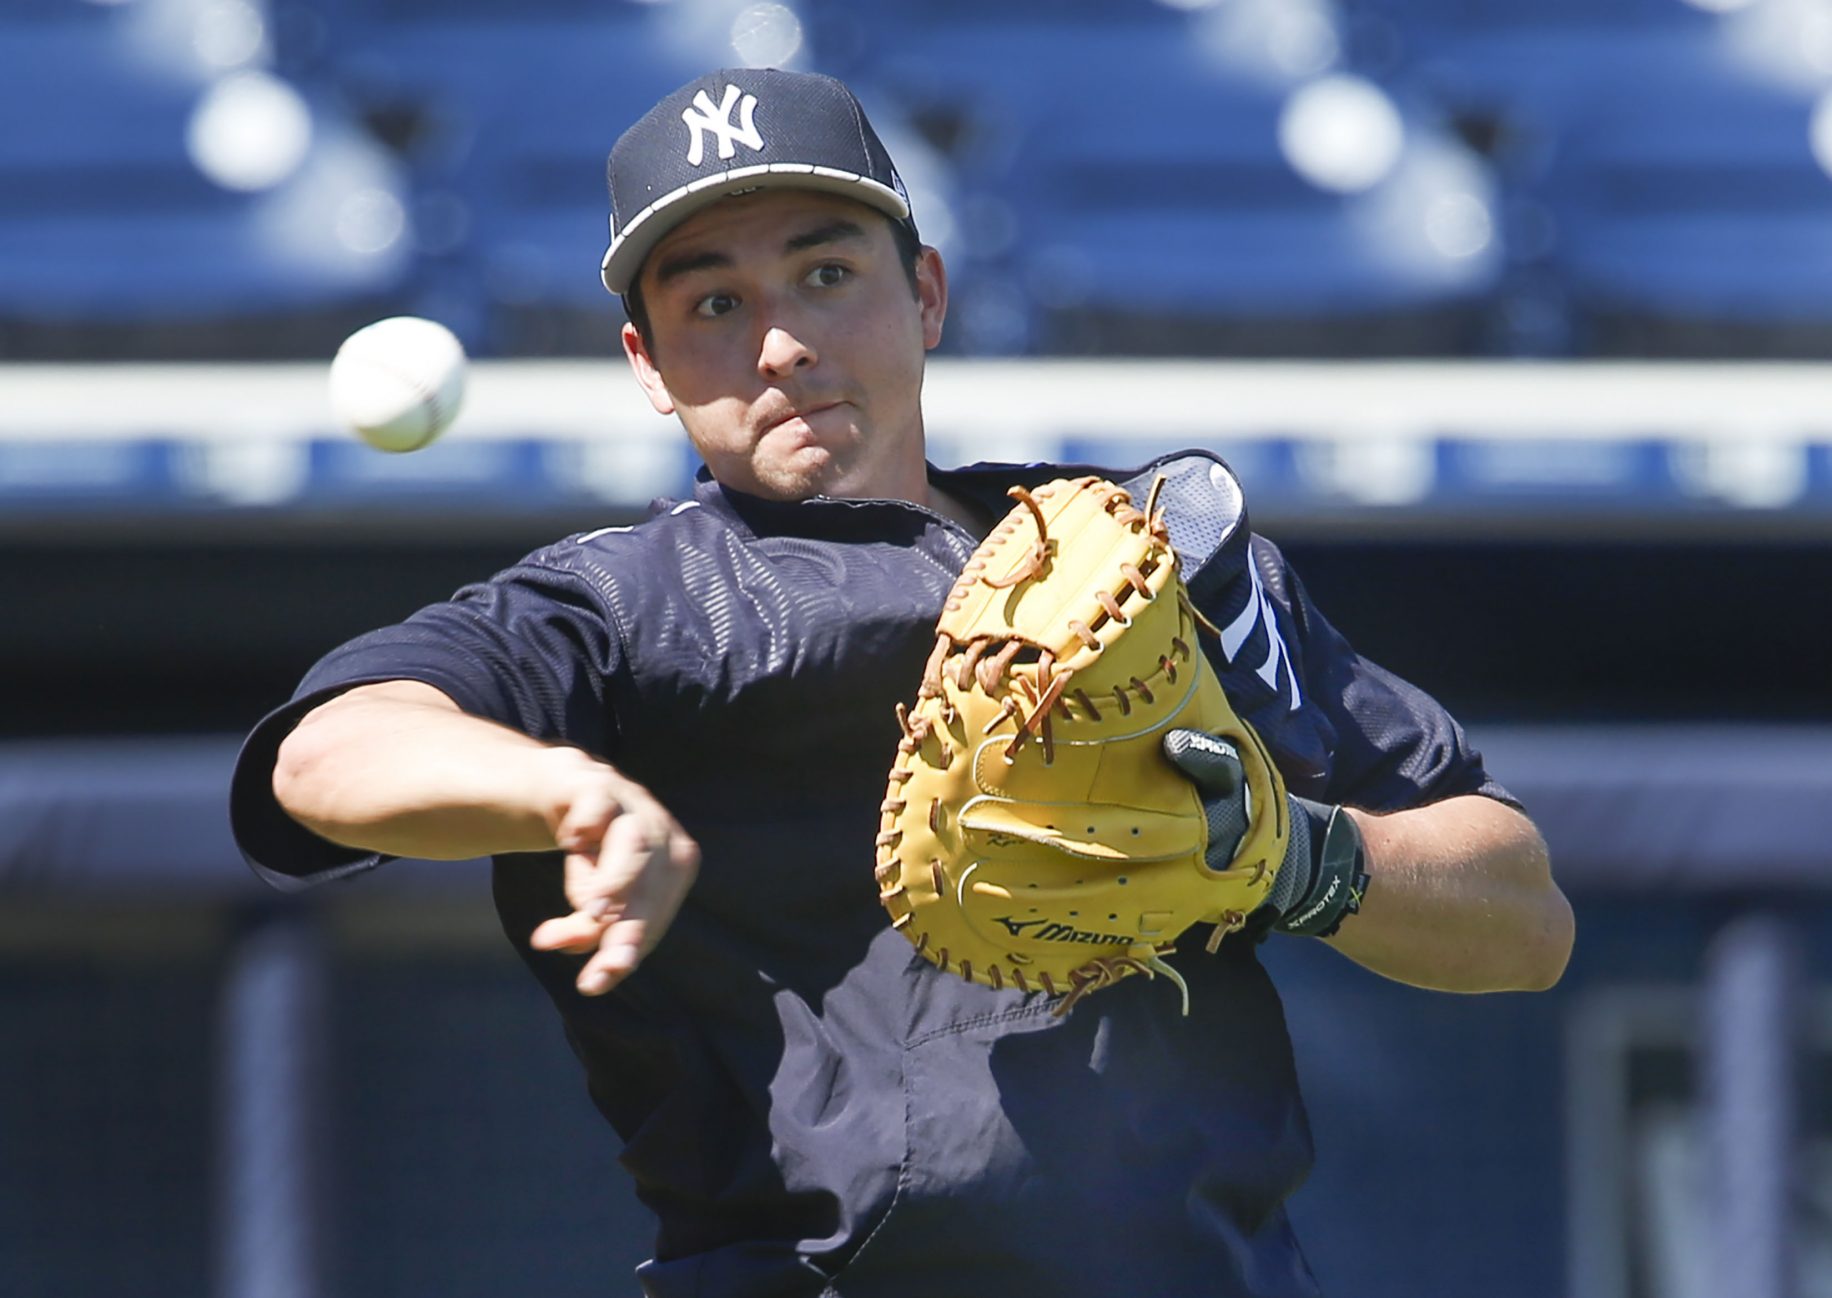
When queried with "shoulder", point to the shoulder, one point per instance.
{"points": [[606, 556]]}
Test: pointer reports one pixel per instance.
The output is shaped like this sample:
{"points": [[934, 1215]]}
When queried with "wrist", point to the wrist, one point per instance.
{"points": [[559, 775], [1327, 845]]}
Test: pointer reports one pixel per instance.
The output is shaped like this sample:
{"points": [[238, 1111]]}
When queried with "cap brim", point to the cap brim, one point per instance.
{"points": [[643, 231]]}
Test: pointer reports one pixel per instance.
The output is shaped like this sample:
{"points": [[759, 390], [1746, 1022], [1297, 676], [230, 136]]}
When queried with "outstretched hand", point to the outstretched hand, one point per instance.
{"points": [[629, 865]]}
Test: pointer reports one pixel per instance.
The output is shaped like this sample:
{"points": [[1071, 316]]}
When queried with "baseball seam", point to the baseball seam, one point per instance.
{"points": [[430, 405]]}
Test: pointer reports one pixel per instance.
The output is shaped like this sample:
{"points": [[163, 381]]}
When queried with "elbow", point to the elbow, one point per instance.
{"points": [[1547, 947], [301, 770], [1548, 928], [1552, 928]]}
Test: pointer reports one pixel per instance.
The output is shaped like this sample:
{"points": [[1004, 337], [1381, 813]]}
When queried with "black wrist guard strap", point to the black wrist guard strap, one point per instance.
{"points": [[1338, 877]]}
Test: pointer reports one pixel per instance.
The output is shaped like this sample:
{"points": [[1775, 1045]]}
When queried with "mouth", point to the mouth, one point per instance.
{"points": [[803, 413]]}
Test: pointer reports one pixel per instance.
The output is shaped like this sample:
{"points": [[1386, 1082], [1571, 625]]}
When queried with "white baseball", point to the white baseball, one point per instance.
{"points": [[398, 382]]}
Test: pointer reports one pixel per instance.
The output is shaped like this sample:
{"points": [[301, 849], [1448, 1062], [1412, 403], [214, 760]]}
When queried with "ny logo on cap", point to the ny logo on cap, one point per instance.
{"points": [[703, 117]]}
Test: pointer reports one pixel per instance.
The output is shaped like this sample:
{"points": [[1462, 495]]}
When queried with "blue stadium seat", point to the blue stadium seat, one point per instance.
{"points": [[1695, 217], [1441, 22], [504, 115], [1185, 244], [1662, 195], [1511, 71], [1150, 207], [976, 75], [106, 221]]}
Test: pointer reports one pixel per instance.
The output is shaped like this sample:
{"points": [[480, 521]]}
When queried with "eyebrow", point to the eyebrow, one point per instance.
{"points": [[832, 232], [675, 267]]}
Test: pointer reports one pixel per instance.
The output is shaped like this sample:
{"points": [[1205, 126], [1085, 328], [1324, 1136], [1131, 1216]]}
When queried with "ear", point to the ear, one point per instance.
{"points": [[932, 295], [637, 352]]}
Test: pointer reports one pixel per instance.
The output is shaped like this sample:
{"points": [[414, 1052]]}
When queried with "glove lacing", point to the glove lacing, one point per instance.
{"points": [[1048, 694]]}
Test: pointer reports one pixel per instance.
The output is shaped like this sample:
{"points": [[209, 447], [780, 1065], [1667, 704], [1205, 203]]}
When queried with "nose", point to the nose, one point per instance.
{"points": [[782, 353]]}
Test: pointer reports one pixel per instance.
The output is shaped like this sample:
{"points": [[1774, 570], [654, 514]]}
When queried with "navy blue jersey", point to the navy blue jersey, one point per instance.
{"points": [[808, 1106]]}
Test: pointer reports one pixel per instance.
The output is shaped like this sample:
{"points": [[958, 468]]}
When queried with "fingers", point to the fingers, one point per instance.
{"points": [[628, 867], [648, 864], [1213, 765], [615, 949], [588, 817], [608, 838], [1211, 762], [574, 934], [620, 949]]}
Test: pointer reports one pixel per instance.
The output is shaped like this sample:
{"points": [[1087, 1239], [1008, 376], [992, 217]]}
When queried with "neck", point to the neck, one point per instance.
{"points": [[951, 506]]}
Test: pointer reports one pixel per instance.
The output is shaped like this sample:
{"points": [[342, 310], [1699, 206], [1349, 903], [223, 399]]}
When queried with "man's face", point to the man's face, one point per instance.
{"points": [[784, 333]]}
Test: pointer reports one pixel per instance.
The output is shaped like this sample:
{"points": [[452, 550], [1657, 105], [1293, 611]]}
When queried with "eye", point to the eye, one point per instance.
{"points": [[715, 304], [828, 275]]}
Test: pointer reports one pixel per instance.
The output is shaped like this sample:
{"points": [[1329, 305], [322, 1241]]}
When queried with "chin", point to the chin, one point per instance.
{"points": [[816, 470], [810, 472]]}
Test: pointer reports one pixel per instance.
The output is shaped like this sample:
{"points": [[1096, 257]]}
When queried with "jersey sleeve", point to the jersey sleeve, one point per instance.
{"points": [[531, 649], [1394, 745]]}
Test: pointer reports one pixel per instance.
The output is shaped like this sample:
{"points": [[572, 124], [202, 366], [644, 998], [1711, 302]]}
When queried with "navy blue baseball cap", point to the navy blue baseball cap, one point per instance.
{"points": [[734, 131]]}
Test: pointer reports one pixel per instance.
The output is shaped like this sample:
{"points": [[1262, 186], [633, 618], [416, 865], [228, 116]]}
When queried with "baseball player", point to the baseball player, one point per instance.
{"points": [[672, 738]]}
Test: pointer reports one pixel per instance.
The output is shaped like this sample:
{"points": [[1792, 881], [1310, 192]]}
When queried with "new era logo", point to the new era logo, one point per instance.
{"points": [[703, 118]]}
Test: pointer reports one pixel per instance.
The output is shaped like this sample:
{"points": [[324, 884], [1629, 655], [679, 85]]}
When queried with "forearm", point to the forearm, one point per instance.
{"points": [[1460, 898], [397, 768]]}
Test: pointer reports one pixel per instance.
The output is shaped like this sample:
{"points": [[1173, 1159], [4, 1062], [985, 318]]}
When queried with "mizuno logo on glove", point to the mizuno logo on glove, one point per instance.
{"points": [[1049, 930]]}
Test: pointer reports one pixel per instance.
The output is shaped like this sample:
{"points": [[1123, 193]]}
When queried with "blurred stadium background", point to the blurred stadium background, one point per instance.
{"points": [[1513, 318]]}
